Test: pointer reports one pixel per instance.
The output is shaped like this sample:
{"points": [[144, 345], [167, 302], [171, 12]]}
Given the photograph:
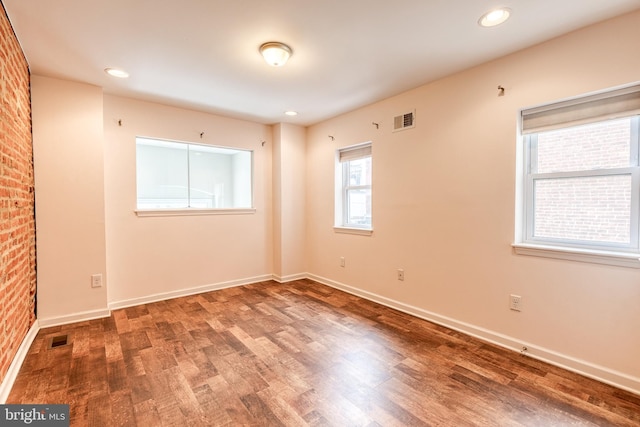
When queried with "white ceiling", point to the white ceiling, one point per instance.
{"points": [[203, 54]]}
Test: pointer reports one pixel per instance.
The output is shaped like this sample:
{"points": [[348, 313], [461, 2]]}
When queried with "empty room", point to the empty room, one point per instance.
{"points": [[340, 213]]}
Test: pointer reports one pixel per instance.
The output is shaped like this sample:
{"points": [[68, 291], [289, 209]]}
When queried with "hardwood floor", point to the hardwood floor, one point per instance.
{"points": [[298, 354]]}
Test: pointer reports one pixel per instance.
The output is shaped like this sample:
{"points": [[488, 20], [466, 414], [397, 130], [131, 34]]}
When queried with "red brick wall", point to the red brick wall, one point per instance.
{"points": [[17, 222]]}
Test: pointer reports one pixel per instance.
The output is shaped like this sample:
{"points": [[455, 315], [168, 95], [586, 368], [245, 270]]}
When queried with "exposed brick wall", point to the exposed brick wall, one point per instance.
{"points": [[17, 222]]}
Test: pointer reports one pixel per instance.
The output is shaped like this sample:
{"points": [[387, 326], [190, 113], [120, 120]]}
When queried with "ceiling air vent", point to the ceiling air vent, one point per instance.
{"points": [[404, 121]]}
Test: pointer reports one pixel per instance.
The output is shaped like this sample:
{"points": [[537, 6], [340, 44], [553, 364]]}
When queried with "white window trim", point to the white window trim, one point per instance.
{"points": [[633, 172], [598, 254], [192, 212], [345, 199], [341, 226], [353, 230], [620, 259], [189, 211]]}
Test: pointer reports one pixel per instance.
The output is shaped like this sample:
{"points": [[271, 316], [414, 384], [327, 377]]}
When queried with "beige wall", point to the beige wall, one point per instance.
{"points": [[444, 203], [70, 222], [289, 226], [157, 257], [86, 197]]}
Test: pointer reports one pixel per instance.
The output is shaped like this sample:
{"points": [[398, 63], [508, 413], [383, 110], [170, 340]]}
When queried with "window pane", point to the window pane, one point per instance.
{"points": [[242, 167], [161, 169], [353, 192], [594, 209], [359, 207], [593, 146], [359, 172], [209, 177], [180, 175]]}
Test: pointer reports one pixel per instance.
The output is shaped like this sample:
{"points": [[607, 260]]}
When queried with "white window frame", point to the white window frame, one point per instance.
{"points": [[343, 157], [597, 107], [191, 211]]}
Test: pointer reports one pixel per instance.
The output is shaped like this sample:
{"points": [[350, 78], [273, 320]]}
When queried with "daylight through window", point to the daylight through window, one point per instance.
{"points": [[582, 177], [353, 198], [176, 175]]}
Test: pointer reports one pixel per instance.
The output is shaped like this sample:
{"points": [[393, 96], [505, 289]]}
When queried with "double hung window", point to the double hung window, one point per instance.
{"points": [[582, 174], [353, 187]]}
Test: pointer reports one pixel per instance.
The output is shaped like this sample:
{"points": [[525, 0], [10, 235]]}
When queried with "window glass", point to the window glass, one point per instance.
{"points": [[579, 189], [162, 175], [595, 209], [175, 175], [359, 192], [583, 185], [592, 146], [353, 206]]}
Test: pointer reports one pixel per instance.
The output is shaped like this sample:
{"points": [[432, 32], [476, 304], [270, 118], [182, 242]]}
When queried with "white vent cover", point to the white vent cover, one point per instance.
{"points": [[404, 121]]}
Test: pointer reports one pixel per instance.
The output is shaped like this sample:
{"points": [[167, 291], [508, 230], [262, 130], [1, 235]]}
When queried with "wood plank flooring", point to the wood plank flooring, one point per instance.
{"points": [[299, 354]]}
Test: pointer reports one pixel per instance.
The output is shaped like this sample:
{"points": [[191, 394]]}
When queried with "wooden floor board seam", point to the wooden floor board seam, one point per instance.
{"points": [[300, 353]]}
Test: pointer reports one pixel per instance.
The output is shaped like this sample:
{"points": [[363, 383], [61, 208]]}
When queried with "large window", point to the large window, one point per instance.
{"points": [[353, 187], [581, 174], [175, 175]]}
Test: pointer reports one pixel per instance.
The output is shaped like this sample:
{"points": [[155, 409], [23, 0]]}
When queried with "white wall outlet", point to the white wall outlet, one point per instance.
{"points": [[96, 280], [515, 302], [400, 274], [342, 261]]}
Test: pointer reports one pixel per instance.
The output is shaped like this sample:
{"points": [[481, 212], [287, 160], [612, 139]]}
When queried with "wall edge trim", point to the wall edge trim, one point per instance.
{"points": [[114, 305], [289, 277], [74, 318], [599, 373], [18, 360]]}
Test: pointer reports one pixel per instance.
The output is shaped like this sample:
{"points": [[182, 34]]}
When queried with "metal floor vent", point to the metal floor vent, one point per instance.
{"points": [[58, 341], [404, 121]]}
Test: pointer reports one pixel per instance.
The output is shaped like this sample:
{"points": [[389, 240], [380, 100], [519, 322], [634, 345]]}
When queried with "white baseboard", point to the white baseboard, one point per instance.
{"points": [[23, 350], [74, 318], [114, 305], [16, 364], [289, 278], [599, 373]]}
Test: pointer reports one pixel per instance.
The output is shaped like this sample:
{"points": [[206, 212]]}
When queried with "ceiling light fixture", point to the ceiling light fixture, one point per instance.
{"points": [[115, 72], [291, 113], [494, 17], [275, 53]]}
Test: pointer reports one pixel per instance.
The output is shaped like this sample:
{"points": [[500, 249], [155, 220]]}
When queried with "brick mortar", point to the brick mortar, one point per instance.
{"points": [[17, 220]]}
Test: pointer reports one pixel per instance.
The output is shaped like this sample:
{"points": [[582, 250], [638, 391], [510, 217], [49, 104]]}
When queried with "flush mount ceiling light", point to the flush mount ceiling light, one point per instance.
{"points": [[115, 72], [291, 113], [275, 53], [494, 17]]}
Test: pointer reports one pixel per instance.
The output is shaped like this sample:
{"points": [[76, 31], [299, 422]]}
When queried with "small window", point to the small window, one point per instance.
{"points": [[353, 187], [581, 174], [176, 175]]}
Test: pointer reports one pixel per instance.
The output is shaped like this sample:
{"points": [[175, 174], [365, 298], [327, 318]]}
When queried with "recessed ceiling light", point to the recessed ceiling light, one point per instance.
{"points": [[115, 72], [494, 17], [291, 113]]}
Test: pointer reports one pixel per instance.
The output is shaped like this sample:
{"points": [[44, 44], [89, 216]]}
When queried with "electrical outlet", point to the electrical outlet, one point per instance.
{"points": [[96, 280], [400, 274], [515, 302], [342, 261]]}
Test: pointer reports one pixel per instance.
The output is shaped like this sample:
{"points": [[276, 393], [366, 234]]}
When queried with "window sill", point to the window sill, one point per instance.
{"points": [[193, 212], [621, 259], [353, 230]]}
